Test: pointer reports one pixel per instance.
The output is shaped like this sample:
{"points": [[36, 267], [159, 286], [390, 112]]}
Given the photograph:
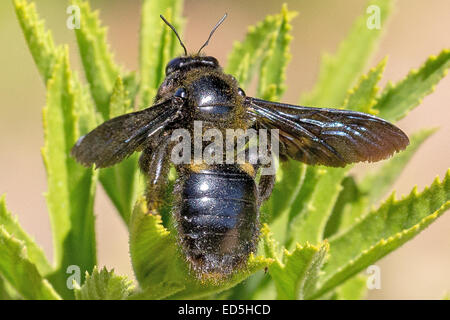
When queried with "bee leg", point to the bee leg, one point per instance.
{"points": [[155, 163], [265, 187], [266, 181]]}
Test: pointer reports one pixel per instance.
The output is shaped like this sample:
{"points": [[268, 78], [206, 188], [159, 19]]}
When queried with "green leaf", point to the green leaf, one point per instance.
{"points": [[382, 231], [158, 44], [119, 102], [306, 186], [266, 39], [7, 292], [339, 72], [349, 204], [153, 251], [352, 289], [104, 285], [272, 73], [272, 77], [71, 187], [310, 223], [356, 199], [294, 191], [100, 69], [131, 85], [376, 184], [85, 109], [295, 274], [160, 267], [158, 292], [44, 53], [122, 182], [40, 41], [20, 272], [196, 289], [12, 226], [75, 117], [289, 179], [258, 286], [363, 96], [397, 100]]}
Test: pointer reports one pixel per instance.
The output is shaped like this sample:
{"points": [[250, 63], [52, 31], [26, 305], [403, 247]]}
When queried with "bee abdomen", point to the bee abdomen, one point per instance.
{"points": [[217, 219]]}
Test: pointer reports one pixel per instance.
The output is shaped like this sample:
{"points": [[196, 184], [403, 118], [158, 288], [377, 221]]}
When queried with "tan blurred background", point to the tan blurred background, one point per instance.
{"points": [[418, 28]]}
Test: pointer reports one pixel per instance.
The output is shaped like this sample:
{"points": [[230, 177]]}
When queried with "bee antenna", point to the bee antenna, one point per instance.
{"points": [[212, 32], [176, 33]]}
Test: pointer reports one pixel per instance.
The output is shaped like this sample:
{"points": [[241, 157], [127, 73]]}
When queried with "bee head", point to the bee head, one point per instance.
{"points": [[187, 63]]}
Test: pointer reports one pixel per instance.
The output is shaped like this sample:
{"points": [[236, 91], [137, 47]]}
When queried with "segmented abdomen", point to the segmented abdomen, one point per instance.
{"points": [[217, 219]]}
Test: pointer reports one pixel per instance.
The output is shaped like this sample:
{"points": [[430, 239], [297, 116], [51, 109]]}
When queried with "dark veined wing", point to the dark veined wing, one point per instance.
{"points": [[328, 137], [118, 138]]}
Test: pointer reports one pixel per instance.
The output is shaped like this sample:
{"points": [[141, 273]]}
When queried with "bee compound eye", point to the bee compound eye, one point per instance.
{"points": [[180, 93], [241, 92]]}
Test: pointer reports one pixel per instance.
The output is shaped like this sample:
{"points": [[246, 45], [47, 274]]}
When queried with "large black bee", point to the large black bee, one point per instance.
{"points": [[217, 205]]}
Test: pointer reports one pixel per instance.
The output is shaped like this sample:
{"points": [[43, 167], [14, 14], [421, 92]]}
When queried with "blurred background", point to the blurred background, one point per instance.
{"points": [[417, 28]]}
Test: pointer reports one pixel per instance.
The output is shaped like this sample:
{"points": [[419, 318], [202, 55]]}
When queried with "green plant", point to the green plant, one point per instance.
{"points": [[318, 229]]}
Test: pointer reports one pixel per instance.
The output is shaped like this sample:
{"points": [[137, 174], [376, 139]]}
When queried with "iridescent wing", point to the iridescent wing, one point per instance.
{"points": [[118, 138], [328, 137]]}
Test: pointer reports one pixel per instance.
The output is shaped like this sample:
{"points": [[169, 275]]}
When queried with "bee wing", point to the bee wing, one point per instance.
{"points": [[328, 137], [118, 138]]}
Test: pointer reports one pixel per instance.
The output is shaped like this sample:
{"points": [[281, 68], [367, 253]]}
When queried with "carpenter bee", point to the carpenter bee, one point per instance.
{"points": [[216, 209]]}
